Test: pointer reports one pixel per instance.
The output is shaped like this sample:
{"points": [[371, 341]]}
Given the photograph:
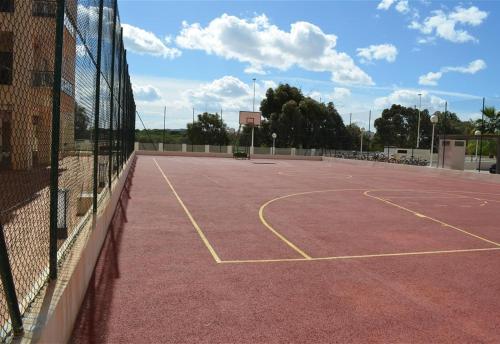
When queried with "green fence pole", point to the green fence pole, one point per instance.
{"points": [[97, 104], [9, 287], [112, 96], [54, 154], [120, 105]]}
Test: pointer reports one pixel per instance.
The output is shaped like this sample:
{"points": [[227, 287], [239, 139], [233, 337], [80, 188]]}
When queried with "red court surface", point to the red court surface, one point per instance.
{"points": [[207, 250]]}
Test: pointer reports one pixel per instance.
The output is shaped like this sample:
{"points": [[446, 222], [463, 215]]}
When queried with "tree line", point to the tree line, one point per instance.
{"points": [[302, 122]]}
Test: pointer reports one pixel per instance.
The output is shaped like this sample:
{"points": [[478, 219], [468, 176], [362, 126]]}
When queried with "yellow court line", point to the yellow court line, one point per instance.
{"points": [[279, 235], [191, 218], [400, 254], [367, 193]]}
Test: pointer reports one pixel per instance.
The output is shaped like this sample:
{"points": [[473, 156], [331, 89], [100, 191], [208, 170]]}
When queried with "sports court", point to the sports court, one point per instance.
{"points": [[208, 250]]}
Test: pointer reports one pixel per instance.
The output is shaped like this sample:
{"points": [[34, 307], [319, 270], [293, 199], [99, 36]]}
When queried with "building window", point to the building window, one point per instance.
{"points": [[5, 140], [6, 5], [44, 8], [6, 58]]}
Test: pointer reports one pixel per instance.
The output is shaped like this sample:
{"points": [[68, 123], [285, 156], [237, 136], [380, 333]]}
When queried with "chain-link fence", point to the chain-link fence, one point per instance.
{"points": [[67, 123]]}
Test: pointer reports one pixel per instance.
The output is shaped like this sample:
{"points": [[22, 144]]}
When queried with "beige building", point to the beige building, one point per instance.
{"points": [[27, 42]]}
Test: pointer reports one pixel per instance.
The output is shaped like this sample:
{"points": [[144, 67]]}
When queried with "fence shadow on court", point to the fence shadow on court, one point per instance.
{"points": [[100, 291]]}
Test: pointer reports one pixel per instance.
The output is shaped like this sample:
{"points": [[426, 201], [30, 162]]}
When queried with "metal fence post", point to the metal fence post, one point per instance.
{"points": [[54, 157], [112, 105], [97, 105], [9, 287]]}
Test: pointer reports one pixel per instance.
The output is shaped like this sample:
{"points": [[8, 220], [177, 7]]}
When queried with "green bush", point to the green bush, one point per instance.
{"points": [[240, 155]]}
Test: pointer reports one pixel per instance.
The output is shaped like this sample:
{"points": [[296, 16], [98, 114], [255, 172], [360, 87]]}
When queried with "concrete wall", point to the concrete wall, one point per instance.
{"points": [[52, 315], [226, 155]]}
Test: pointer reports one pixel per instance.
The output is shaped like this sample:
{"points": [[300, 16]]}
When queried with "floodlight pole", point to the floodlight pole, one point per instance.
{"points": [[192, 130], [253, 104], [481, 137], [253, 110], [369, 130], [361, 147], [418, 125], [164, 118]]}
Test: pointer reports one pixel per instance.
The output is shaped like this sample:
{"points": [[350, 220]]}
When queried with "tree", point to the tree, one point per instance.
{"points": [[398, 126], [82, 123], [491, 121], [209, 129], [298, 121]]}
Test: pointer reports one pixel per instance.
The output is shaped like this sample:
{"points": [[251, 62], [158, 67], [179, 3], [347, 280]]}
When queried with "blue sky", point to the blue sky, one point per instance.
{"points": [[362, 55]]}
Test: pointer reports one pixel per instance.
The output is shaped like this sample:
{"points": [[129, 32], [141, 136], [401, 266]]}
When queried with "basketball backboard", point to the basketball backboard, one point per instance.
{"points": [[250, 118]]}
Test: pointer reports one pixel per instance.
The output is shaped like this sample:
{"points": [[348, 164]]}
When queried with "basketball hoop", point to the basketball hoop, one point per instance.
{"points": [[249, 118], [250, 122]]}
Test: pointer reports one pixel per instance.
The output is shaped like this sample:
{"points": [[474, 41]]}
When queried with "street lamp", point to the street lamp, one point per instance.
{"points": [[418, 125], [434, 121], [274, 136], [362, 133], [477, 133]]}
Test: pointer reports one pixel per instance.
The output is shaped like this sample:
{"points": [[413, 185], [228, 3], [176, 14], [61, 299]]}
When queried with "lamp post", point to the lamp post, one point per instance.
{"points": [[434, 121], [477, 133], [362, 133], [274, 136], [418, 125]]}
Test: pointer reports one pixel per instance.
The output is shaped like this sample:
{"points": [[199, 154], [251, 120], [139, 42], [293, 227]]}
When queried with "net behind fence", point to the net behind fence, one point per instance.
{"points": [[67, 123]]}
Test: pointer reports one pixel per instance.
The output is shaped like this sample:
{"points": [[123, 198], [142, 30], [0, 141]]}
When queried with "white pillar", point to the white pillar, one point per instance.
{"points": [[160, 147], [313, 151], [136, 146], [207, 148], [294, 151], [184, 147], [229, 149]]}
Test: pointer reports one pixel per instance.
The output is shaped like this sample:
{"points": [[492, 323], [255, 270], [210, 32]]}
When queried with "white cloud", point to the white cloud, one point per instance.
{"points": [[386, 52], [431, 78], [410, 98], [472, 68], [403, 7], [181, 96], [147, 93], [144, 42], [385, 4], [340, 93], [444, 25], [263, 45]]}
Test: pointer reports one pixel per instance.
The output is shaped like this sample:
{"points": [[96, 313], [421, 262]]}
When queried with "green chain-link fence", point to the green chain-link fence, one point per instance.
{"points": [[67, 123]]}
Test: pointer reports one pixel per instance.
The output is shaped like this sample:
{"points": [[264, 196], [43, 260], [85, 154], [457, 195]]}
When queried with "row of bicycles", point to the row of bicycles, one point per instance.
{"points": [[381, 157]]}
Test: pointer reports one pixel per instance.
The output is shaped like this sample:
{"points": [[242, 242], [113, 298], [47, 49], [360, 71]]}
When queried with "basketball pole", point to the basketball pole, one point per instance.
{"points": [[251, 147]]}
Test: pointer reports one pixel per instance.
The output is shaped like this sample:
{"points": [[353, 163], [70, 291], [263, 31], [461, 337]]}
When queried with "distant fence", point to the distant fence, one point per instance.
{"points": [[67, 124]]}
